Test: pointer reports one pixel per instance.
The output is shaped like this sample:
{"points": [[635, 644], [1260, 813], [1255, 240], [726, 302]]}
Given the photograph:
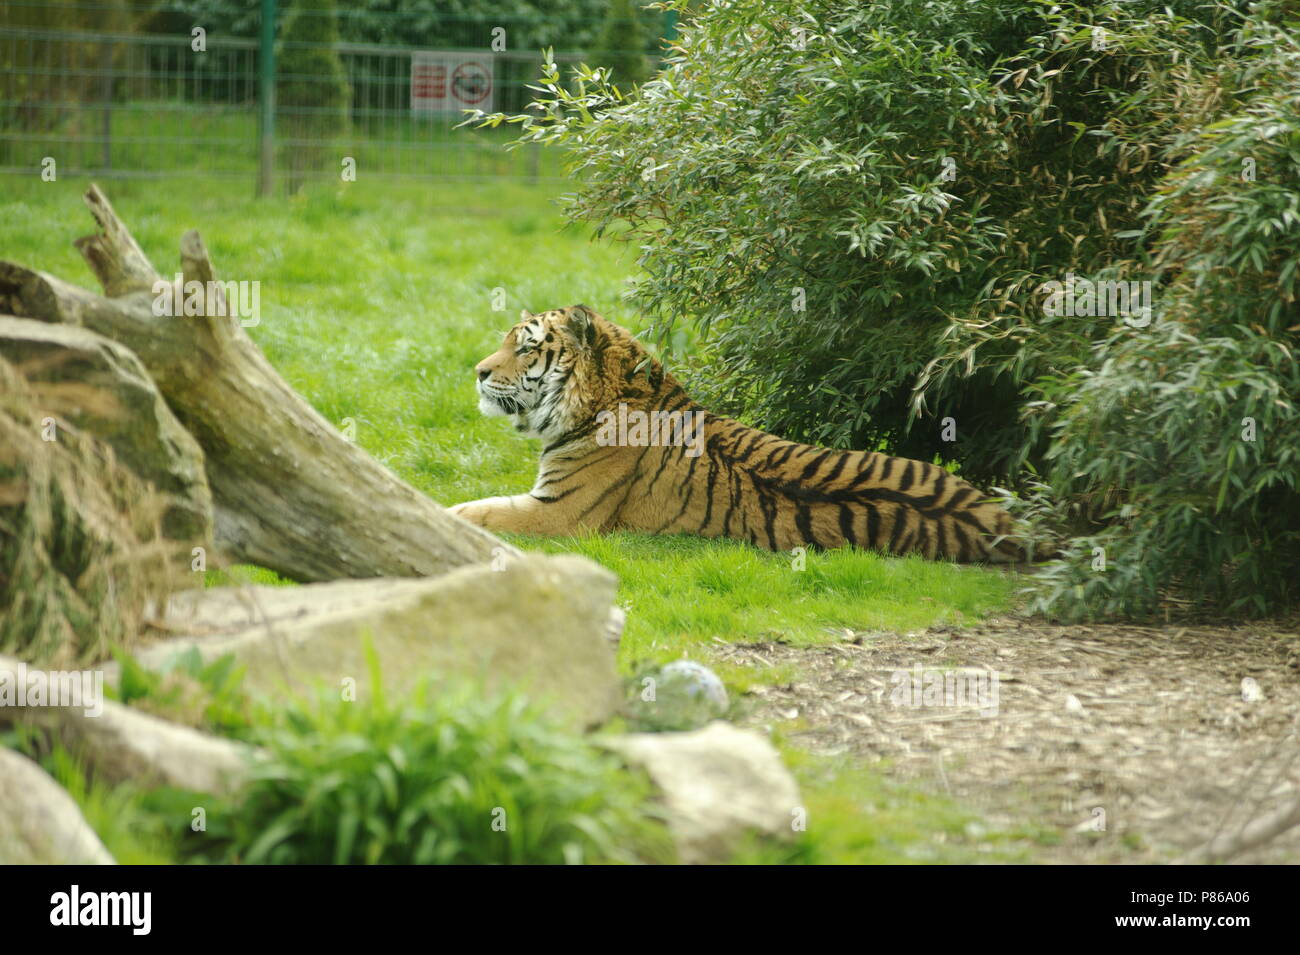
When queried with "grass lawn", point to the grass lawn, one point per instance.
{"points": [[377, 300]]}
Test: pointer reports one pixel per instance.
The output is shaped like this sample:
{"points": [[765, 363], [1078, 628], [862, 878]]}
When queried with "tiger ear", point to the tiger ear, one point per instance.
{"points": [[525, 315], [581, 324]]}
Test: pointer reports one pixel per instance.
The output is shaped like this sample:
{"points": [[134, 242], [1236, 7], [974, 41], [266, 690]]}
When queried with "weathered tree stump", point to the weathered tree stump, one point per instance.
{"points": [[290, 492]]}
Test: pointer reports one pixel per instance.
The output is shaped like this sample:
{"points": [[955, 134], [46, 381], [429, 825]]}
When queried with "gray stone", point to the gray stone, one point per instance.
{"points": [[141, 428], [40, 824], [539, 623], [717, 784], [122, 744]]}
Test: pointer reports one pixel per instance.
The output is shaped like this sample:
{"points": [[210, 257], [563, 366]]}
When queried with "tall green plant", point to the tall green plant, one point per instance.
{"points": [[1181, 441], [313, 96], [620, 47]]}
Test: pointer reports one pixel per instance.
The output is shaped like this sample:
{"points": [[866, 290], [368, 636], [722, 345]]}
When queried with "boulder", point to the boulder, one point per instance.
{"points": [[717, 784], [40, 824], [120, 744], [539, 623], [106, 391]]}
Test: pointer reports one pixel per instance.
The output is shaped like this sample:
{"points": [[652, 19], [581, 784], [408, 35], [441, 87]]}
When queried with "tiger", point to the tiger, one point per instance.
{"points": [[624, 447]]}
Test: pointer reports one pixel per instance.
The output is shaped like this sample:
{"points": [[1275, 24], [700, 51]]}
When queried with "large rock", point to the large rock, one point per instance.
{"points": [[538, 623], [120, 744], [141, 429], [39, 822], [717, 784]]}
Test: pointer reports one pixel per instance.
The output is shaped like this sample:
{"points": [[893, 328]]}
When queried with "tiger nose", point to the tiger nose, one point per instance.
{"points": [[483, 373]]}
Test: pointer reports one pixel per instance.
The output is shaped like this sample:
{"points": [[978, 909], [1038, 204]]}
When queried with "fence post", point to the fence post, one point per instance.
{"points": [[106, 120], [266, 100]]}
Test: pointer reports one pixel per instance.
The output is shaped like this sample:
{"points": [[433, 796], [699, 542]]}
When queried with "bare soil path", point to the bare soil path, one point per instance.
{"points": [[1112, 743]]}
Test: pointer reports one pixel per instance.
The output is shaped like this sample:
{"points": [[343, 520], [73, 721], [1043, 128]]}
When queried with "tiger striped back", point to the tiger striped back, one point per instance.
{"points": [[624, 446]]}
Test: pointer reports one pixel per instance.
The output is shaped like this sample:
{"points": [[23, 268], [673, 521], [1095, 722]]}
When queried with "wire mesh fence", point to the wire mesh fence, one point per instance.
{"points": [[112, 89]]}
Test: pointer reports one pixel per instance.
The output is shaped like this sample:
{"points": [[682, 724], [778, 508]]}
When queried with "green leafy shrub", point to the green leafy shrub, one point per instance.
{"points": [[621, 45], [1181, 441], [457, 24], [313, 95], [445, 777]]}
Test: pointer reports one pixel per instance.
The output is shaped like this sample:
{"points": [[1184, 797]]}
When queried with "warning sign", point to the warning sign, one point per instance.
{"points": [[450, 82]]}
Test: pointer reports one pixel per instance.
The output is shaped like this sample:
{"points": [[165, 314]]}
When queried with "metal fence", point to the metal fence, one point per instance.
{"points": [[153, 104]]}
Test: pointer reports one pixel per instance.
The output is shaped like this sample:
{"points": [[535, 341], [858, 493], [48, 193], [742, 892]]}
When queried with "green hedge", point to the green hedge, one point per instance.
{"points": [[1182, 440]]}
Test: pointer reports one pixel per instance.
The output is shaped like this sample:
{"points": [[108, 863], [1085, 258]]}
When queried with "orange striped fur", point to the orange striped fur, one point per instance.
{"points": [[567, 375]]}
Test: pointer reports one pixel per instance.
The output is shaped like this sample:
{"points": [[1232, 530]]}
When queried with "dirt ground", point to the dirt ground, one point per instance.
{"points": [[1110, 743]]}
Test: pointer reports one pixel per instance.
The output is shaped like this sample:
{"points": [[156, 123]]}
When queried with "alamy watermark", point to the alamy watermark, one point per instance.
{"points": [[1083, 298], [83, 689], [653, 429], [930, 687], [131, 910], [192, 299]]}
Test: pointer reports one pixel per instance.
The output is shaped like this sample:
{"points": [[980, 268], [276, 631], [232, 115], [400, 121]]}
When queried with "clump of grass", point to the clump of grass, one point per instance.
{"points": [[82, 555], [450, 777], [206, 696]]}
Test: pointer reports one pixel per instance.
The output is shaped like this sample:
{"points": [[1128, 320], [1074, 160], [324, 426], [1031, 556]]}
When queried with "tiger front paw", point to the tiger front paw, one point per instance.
{"points": [[464, 510], [479, 512]]}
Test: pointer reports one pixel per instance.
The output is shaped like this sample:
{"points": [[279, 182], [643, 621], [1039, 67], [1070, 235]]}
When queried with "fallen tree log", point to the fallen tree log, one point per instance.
{"points": [[289, 491]]}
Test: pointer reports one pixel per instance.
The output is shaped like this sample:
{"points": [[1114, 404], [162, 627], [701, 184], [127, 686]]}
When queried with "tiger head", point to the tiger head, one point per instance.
{"points": [[556, 370]]}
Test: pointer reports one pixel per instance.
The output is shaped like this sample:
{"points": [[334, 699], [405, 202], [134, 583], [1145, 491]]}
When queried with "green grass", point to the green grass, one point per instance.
{"points": [[376, 302], [215, 140], [859, 816], [684, 591]]}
